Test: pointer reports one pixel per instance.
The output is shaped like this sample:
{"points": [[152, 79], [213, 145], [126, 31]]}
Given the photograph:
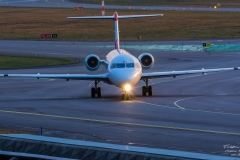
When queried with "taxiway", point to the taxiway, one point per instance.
{"points": [[198, 113]]}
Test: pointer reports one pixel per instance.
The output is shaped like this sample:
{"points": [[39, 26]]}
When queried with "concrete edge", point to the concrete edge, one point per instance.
{"points": [[155, 151]]}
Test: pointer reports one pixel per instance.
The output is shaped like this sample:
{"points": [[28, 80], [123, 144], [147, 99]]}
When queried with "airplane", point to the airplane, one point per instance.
{"points": [[123, 69]]}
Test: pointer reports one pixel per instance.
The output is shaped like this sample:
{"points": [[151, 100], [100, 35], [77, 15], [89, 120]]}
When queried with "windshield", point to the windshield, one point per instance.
{"points": [[118, 65], [125, 65]]}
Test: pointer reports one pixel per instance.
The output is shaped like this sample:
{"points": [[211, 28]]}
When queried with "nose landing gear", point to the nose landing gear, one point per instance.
{"points": [[125, 96], [146, 89], [96, 90], [126, 91]]}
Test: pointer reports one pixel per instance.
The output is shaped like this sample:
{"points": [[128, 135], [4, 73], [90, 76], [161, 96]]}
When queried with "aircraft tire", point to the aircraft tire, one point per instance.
{"points": [[144, 90], [99, 92], [93, 92], [150, 90], [127, 96], [124, 97]]}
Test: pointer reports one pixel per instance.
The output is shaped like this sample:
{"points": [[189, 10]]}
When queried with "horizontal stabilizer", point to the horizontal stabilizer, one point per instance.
{"points": [[92, 17], [119, 17], [116, 17], [139, 16]]}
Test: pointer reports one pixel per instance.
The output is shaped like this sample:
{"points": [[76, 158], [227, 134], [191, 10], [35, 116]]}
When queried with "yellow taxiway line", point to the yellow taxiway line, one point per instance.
{"points": [[120, 123]]}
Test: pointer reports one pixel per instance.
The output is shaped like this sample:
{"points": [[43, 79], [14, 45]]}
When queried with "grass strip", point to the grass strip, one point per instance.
{"points": [[29, 23], [11, 132], [186, 3], [9, 61]]}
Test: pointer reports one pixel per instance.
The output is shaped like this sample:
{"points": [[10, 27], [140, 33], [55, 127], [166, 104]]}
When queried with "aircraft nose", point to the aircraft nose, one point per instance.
{"points": [[122, 77]]}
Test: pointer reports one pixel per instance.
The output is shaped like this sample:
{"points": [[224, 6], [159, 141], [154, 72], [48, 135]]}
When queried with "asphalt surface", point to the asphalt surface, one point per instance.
{"points": [[198, 113], [70, 4]]}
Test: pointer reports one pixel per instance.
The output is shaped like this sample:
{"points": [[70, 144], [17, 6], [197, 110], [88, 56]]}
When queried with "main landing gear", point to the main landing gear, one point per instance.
{"points": [[96, 90], [146, 89]]}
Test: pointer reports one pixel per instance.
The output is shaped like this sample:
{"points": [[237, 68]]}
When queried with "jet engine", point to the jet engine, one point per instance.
{"points": [[146, 60], [92, 62]]}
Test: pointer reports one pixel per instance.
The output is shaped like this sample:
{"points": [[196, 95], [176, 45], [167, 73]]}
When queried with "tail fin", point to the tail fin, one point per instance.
{"points": [[115, 17]]}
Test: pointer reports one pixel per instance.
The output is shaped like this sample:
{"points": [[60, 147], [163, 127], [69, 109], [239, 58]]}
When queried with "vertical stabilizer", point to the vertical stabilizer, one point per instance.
{"points": [[103, 10], [116, 31]]}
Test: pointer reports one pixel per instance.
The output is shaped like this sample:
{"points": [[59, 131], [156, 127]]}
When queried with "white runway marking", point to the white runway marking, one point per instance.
{"points": [[184, 109], [152, 104], [233, 114], [175, 103], [137, 101]]}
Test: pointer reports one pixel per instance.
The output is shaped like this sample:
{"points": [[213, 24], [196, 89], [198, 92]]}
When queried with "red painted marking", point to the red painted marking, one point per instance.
{"points": [[116, 16], [79, 8], [45, 36]]}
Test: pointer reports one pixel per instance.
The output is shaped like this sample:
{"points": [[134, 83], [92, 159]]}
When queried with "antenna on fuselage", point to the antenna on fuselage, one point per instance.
{"points": [[115, 17]]}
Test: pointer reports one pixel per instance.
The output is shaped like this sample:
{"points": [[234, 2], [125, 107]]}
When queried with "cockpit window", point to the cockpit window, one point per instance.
{"points": [[122, 65], [130, 65]]}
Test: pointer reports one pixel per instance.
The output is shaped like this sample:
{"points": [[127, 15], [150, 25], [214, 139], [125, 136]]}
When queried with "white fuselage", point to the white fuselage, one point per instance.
{"points": [[123, 68]]}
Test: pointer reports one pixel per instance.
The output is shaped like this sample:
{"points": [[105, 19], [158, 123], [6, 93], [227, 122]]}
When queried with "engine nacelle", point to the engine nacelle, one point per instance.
{"points": [[92, 62], [146, 60]]}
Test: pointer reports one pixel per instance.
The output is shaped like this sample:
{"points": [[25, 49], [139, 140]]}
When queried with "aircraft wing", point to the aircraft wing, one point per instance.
{"points": [[100, 77], [179, 73]]}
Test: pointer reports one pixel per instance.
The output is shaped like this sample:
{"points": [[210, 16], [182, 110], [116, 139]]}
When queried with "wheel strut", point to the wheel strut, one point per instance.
{"points": [[96, 90], [125, 96], [146, 89]]}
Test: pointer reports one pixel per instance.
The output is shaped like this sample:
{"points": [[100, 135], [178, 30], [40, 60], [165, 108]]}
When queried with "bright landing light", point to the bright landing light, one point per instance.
{"points": [[127, 87]]}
